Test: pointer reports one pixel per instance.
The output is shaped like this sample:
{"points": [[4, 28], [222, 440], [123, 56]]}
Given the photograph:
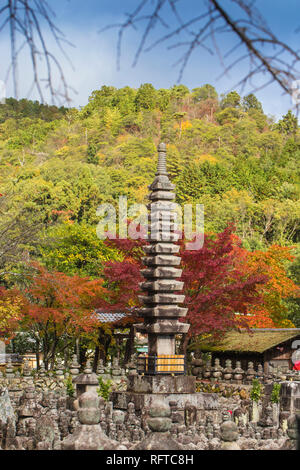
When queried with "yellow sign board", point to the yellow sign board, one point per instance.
{"points": [[167, 363]]}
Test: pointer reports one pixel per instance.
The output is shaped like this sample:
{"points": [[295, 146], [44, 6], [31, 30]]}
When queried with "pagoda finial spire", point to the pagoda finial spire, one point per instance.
{"points": [[162, 160]]}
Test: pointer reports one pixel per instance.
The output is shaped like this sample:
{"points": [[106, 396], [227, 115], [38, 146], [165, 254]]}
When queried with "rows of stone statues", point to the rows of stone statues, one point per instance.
{"points": [[57, 376], [213, 371], [206, 370], [46, 420], [38, 417]]}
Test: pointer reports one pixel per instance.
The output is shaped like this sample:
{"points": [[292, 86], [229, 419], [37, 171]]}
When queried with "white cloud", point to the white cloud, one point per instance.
{"points": [[94, 60]]}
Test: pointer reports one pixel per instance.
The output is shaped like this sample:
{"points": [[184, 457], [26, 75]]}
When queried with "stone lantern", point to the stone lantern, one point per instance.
{"points": [[87, 381]]}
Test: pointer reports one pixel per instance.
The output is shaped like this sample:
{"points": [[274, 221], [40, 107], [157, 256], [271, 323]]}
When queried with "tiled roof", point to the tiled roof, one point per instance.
{"points": [[258, 340], [110, 317]]}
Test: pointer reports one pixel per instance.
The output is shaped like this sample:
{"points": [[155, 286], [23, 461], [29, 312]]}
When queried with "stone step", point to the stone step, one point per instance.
{"points": [[163, 236], [166, 327], [157, 215], [164, 311], [161, 248], [163, 225], [162, 206], [164, 298], [162, 271], [163, 285], [162, 183], [161, 260], [162, 195]]}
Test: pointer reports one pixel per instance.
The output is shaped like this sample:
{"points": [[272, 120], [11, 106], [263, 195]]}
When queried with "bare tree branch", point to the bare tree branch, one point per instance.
{"points": [[259, 43], [28, 21]]}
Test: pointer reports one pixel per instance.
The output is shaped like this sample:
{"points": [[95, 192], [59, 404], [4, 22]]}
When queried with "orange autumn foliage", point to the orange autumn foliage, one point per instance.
{"points": [[10, 313], [62, 302], [271, 263], [57, 307]]}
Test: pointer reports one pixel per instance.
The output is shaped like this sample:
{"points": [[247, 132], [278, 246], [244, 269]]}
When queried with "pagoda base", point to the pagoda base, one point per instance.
{"points": [[143, 391], [161, 384]]}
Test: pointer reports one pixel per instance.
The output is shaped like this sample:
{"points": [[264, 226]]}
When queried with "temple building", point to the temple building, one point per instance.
{"points": [[273, 348]]}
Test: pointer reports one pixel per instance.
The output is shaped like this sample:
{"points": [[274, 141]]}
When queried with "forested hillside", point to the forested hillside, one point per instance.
{"points": [[58, 165]]}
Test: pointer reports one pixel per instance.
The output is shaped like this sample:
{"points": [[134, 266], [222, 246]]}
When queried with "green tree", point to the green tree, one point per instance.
{"points": [[179, 92], [75, 249], [103, 97], [163, 98], [251, 102], [288, 124], [92, 154], [203, 93], [146, 97], [231, 100]]}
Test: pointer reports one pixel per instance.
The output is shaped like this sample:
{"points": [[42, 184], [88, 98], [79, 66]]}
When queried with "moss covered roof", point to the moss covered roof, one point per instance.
{"points": [[255, 341]]}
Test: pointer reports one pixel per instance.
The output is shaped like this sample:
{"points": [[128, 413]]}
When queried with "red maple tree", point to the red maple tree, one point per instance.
{"points": [[123, 277], [58, 308], [216, 286]]}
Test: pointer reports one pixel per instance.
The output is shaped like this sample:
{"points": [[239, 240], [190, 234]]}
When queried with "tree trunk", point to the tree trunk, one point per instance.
{"points": [[53, 353], [96, 358], [104, 341], [45, 355], [77, 348], [66, 356], [185, 339], [129, 349], [82, 355], [107, 341], [37, 354]]}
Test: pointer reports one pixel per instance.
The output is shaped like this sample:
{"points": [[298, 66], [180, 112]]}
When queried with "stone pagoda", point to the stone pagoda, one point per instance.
{"points": [[161, 373], [162, 302]]}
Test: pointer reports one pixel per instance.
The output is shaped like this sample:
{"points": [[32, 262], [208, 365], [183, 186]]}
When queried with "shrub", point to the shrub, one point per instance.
{"points": [[105, 387], [275, 395], [70, 387], [256, 390]]}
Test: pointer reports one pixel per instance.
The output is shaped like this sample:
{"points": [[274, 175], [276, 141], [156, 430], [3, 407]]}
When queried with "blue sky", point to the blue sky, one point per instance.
{"points": [[94, 54]]}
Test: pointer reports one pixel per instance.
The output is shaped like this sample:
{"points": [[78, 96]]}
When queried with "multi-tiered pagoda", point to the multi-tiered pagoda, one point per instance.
{"points": [[161, 286]]}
